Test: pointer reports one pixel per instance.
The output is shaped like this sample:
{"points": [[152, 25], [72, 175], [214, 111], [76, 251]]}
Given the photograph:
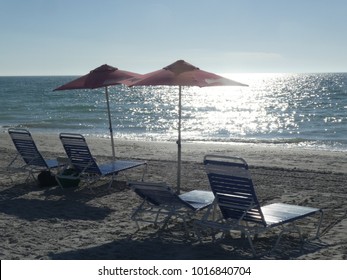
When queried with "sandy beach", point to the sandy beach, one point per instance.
{"points": [[52, 223]]}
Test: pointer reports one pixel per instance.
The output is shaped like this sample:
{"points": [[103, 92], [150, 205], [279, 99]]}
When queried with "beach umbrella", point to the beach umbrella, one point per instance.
{"points": [[102, 76], [181, 73]]}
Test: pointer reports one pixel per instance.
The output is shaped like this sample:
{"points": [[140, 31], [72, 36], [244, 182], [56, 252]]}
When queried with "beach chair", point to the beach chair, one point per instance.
{"points": [[82, 161], [232, 185], [160, 203], [28, 152]]}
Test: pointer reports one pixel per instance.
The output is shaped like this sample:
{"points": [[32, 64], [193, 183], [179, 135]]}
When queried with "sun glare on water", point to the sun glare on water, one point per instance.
{"points": [[232, 112]]}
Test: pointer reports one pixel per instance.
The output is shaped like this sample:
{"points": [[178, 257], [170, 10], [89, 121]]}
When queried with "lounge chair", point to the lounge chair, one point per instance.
{"points": [[27, 150], [232, 185], [160, 203], [82, 161]]}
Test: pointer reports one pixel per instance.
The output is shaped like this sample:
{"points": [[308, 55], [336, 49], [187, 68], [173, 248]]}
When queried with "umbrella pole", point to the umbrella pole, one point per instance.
{"points": [[179, 140], [110, 123]]}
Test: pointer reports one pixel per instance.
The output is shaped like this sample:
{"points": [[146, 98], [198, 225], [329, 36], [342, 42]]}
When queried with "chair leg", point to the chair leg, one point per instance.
{"points": [[249, 238], [110, 183], [319, 224], [167, 219]]}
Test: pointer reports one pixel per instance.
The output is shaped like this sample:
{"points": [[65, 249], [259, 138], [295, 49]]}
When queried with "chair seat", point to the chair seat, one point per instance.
{"points": [[278, 213], [198, 199], [52, 163], [119, 165]]}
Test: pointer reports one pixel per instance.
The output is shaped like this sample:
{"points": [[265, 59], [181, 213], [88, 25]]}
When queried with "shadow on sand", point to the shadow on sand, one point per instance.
{"points": [[174, 245]]}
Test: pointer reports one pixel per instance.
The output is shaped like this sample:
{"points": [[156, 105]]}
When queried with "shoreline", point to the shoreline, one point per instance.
{"points": [[261, 155], [82, 224]]}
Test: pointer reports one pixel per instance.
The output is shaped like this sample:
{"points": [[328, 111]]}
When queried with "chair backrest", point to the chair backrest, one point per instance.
{"points": [[77, 150], [158, 194], [26, 147], [232, 185]]}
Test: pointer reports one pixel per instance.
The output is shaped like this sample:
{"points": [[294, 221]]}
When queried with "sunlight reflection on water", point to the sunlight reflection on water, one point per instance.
{"points": [[275, 108]]}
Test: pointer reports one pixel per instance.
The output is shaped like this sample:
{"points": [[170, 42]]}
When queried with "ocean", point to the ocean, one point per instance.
{"points": [[303, 110]]}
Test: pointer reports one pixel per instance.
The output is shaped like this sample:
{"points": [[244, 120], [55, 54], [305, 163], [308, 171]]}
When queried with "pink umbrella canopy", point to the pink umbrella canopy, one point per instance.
{"points": [[181, 73], [102, 76]]}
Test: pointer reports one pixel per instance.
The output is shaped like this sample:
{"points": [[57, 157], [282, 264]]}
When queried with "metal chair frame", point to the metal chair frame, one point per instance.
{"points": [[240, 210]]}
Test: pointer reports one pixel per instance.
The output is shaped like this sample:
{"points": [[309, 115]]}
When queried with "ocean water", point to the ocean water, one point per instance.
{"points": [[306, 110]]}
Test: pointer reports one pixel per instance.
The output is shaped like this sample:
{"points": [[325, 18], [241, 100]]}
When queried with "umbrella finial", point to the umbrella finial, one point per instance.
{"points": [[104, 68]]}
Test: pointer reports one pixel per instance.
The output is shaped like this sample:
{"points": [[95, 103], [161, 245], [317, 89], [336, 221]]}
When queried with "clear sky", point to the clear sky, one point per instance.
{"points": [[72, 37]]}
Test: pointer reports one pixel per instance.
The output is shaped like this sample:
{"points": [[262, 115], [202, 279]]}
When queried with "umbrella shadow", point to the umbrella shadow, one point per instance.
{"points": [[174, 244], [16, 190], [56, 203], [148, 243], [84, 194], [148, 249], [35, 209]]}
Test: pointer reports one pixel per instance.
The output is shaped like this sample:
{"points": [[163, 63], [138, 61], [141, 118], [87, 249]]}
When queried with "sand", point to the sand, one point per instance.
{"points": [[51, 223]]}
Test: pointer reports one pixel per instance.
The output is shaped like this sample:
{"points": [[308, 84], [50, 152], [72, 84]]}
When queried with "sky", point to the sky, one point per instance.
{"points": [[72, 37]]}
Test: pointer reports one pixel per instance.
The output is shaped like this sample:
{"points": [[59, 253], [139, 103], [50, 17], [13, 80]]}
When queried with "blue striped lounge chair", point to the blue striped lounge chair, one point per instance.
{"points": [[28, 153], [160, 203], [80, 157], [232, 185]]}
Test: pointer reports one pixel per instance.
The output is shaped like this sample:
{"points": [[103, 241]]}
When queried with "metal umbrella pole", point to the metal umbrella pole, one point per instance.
{"points": [[110, 123], [179, 145]]}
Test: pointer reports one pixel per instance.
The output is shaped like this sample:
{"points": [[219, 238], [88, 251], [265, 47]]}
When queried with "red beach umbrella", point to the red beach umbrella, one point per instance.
{"points": [[102, 76], [181, 73]]}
